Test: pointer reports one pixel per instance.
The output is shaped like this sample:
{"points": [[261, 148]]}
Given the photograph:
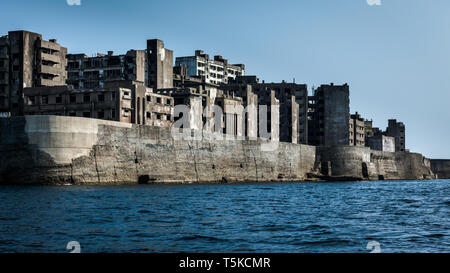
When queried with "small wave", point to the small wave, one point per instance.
{"points": [[144, 211], [436, 235], [9, 218], [201, 237]]}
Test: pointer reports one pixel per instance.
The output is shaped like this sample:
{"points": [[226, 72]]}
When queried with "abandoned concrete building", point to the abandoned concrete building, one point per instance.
{"points": [[123, 101], [160, 65], [215, 71], [397, 130], [329, 116], [357, 130], [293, 97], [391, 140], [201, 115], [26, 60], [93, 72], [37, 77], [381, 142]]}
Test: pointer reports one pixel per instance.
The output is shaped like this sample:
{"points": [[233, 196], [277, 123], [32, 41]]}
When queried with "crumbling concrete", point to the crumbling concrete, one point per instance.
{"points": [[59, 150]]}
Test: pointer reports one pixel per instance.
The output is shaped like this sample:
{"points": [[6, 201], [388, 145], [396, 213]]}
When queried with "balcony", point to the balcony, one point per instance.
{"points": [[48, 45], [50, 58], [46, 82], [49, 70]]}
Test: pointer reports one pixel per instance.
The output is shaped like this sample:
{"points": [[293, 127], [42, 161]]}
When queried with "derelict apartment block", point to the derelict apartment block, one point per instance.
{"points": [[26, 60]]}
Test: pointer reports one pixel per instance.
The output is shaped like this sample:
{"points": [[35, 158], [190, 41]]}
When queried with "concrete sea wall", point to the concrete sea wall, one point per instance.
{"points": [[358, 163], [59, 150], [441, 168]]}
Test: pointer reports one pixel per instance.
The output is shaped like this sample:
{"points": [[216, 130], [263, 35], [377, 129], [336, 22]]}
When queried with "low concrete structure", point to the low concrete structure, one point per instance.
{"points": [[441, 167]]}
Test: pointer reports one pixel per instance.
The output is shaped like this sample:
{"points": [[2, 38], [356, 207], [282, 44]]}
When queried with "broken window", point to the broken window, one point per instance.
{"points": [[86, 98], [44, 100], [58, 99], [31, 100]]}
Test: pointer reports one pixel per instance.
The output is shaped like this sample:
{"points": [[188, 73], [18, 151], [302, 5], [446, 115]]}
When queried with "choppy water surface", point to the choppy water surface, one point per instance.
{"points": [[403, 216]]}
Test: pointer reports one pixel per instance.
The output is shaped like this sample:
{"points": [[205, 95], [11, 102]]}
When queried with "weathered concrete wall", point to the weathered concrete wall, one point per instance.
{"points": [[54, 150], [441, 168], [362, 163]]}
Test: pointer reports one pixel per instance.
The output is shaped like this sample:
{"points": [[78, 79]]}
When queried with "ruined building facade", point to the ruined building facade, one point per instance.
{"points": [[329, 116], [216, 71], [26, 60], [93, 72], [293, 101], [160, 65], [123, 101], [397, 130], [357, 130]]}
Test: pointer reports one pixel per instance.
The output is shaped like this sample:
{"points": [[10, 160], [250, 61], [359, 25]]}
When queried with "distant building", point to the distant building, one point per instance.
{"points": [[215, 71], [329, 116], [200, 116], [129, 102], [93, 72], [381, 142], [397, 130], [293, 101], [26, 60], [357, 130], [160, 65]]}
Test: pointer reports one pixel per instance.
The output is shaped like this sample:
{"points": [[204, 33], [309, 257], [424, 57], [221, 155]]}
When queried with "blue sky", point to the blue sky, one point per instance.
{"points": [[395, 57]]}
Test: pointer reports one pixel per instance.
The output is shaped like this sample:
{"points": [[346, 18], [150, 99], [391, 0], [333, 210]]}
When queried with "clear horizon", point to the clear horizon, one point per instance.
{"points": [[394, 56]]}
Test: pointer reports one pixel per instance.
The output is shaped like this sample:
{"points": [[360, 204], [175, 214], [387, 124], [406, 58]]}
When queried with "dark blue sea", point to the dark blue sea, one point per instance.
{"points": [[399, 216]]}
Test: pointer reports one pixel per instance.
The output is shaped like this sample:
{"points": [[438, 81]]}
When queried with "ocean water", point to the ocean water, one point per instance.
{"points": [[400, 216]]}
